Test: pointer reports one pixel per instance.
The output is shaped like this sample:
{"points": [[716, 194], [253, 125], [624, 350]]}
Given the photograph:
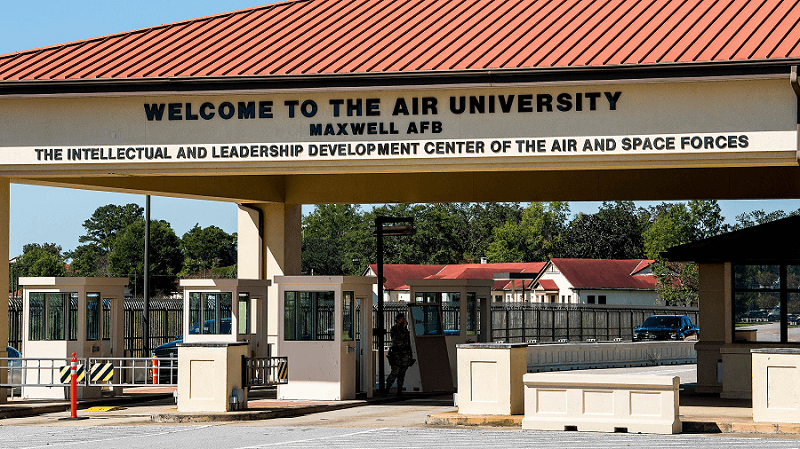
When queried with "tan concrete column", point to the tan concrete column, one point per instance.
{"points": [[715, 304], [5, 206], [270, 243]]}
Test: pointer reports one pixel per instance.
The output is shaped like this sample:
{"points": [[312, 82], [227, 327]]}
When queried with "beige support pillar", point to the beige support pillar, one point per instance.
{"points": [[715, 322], [5, 196], [270, 243]]}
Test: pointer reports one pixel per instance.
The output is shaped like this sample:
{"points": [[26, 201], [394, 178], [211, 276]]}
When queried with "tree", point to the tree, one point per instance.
{"points": [[614, 232], [676, 224], [102, 229], [537, 237], [207, 248], [335, 240], [475, 230], [108, 221], [41, 260], [127, 256]]}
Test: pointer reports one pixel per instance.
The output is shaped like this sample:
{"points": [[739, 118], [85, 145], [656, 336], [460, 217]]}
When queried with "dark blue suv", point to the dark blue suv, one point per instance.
{"points": [[666, 327]]}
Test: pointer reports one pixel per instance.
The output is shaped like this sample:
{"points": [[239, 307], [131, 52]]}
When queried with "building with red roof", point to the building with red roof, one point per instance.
{"points": [[596, 281], [396, 286]]}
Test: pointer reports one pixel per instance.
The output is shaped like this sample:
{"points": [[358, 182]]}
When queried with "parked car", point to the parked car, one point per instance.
{"points": [[666, 327], [14, 369]]}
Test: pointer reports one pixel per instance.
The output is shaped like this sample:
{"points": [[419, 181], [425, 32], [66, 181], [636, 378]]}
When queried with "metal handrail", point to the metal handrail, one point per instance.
{"points": [[264, 371]]}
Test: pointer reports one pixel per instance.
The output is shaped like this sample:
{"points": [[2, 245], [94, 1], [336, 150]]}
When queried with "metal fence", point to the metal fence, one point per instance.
{"points": [[265, 371], [166, 323], [522, 322], [511, 322]]}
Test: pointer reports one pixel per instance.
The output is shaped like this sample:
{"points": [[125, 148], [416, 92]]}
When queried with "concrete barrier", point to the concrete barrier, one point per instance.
{"points": [[571, 356], [776, 382], [601, 403], [490, 378]]}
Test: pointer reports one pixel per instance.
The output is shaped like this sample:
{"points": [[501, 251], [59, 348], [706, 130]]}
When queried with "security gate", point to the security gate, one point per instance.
{"points": [[116, 371]]}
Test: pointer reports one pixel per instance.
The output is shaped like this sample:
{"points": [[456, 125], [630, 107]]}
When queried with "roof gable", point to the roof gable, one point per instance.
{"points": [[309, 37], [604, 274]]}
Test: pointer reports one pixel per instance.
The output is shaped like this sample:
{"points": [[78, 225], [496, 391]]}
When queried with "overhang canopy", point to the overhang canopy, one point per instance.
{"points": [[770, 242], [319, 39]]}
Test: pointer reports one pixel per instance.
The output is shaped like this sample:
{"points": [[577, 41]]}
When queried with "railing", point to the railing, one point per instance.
{"points": [[264, 371], [107, 371]]}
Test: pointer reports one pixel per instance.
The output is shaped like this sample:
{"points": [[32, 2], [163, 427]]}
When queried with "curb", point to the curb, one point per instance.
{"points": [[449, 419], [248, 415]]}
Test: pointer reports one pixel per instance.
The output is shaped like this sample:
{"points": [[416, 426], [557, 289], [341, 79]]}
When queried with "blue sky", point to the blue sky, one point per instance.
{"points": [[44, 214]]}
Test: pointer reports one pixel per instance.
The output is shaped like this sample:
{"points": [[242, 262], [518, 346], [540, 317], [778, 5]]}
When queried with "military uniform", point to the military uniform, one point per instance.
{"points": [[399, 356]]}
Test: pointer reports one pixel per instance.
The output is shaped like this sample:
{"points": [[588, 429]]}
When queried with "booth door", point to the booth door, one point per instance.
{"points": [[430, 348]]}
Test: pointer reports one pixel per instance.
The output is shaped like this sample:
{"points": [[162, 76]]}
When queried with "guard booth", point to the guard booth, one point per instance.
{"points": [[326, 333], [445, 313], [62, 315], [224, 320]]}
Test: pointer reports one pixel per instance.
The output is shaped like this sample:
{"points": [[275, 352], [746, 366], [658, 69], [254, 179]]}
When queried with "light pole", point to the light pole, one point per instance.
{"points": [[402, 226]]}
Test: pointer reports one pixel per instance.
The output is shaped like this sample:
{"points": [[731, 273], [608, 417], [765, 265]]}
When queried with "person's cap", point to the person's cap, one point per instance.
{"points": [[400, 315]]}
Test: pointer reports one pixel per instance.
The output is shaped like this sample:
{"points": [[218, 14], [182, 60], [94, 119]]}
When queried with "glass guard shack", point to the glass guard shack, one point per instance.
{"points": [[62, 315], [326, 332], [445, 313]]}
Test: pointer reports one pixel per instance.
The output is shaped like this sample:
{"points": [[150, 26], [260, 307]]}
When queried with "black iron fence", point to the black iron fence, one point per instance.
{"points": [[522, 322], [166, 323], [511, 322]]}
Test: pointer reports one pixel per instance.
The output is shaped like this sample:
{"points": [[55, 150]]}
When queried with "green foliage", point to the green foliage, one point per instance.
{"points": [[537, 236], [102, 229], [41, 260], [108, 221], [677, 283], [336, 238], [207, 248], [127, 256], [614, 232]]}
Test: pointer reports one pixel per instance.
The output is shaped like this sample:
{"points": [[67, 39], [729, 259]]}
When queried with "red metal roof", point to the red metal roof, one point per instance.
{"points": [[601, 273], [548, 284], [305, 37], [397, 274]]}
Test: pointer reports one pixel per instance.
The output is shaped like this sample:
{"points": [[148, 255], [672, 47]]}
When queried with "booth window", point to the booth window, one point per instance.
{"points": [[244, 313], [308, 316], [211, 309], [92, 316], [426, 320], [472, 313], [766, 299], [348, 316], [106, 319], [451, 308], [53, 316]]}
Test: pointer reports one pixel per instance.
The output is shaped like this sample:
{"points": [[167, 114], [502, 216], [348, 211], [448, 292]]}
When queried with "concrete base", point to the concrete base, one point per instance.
{"points": [[601, 403], [776, 378], [489, 378], [571, 356], [209, 373]]}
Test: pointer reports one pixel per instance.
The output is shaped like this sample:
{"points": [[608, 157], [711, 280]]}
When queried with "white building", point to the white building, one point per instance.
{"points": [[595, 281]]}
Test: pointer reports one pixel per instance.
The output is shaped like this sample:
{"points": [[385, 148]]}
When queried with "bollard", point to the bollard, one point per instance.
{"points": [[155, 370], [73, 388]]}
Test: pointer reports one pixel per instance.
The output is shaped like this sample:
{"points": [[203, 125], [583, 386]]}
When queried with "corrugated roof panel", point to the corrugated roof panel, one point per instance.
{"points": [[429, 55], [377, 50], [356, 36], [542, 31], [750, 18], [291, 34], [270, 27], [519, 29], [771, 20], [503, 21], [789, 19], [594, 23], [327, 32]]}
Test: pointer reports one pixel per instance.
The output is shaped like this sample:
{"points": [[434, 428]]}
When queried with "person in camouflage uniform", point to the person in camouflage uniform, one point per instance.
{"points": [[399, 354]]}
